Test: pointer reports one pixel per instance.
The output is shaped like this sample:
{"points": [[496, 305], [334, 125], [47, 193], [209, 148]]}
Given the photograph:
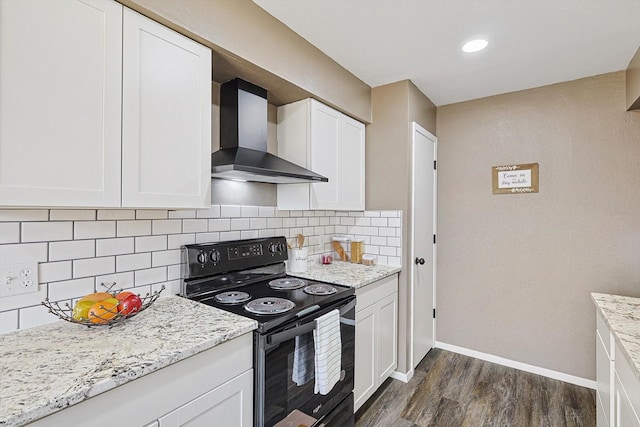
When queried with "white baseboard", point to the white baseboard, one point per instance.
{"points": [[571, 379], [401, 376]]}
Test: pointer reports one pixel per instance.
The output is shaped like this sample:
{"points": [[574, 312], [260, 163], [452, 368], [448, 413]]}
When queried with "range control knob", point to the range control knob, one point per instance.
{"points": [[202, 257], [273, 247], [281, 247], [214, 256]]}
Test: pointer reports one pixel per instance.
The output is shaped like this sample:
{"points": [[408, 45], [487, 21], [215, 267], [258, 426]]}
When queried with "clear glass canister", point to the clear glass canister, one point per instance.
{"points": [[341, 246], [357, 246]]}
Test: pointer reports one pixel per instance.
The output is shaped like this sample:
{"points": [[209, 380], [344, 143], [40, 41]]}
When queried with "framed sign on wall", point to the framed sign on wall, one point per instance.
{"points": [[515, 179]]}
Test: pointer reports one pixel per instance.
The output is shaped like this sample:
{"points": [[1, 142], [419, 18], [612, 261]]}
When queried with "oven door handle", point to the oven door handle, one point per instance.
{"points": [[306, 327]]}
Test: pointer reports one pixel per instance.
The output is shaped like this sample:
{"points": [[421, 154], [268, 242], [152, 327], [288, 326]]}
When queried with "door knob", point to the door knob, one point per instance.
{"points": [[420, 261]]}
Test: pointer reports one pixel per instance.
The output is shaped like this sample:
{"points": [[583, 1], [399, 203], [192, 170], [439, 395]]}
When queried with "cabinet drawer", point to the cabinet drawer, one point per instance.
{"points": [[376, 291]]}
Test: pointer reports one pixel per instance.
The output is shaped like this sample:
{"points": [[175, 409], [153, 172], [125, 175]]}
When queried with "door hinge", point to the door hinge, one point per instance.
{"points": [[434, 164], [434, 239], [434, 313]]}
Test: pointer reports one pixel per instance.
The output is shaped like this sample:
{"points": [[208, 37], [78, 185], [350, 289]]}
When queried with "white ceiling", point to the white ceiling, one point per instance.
{"points": [[531, 42]]}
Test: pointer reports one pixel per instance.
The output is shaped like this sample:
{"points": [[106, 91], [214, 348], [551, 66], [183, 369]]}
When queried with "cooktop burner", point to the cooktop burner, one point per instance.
{"points": [[269, 305], [320, 289], [232, 297], [287, 283]]}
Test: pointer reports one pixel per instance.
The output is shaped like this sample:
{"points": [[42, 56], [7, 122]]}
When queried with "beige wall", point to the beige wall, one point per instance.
{"points": [[515, 272], [251, 44], [388, 175], [633, 82]]}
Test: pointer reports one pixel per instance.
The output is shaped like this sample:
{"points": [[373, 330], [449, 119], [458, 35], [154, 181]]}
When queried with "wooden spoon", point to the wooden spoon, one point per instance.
{"points": [[300, 241]]}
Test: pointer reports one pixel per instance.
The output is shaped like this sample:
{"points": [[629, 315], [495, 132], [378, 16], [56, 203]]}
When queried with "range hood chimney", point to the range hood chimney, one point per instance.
{"points": [[243, 140]]}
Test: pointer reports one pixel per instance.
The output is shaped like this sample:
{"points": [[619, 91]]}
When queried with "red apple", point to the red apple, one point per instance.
{"points": [[129, 303]]}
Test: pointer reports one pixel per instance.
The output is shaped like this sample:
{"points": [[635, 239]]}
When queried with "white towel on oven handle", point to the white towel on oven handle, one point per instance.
{"points": [[328, 349]]}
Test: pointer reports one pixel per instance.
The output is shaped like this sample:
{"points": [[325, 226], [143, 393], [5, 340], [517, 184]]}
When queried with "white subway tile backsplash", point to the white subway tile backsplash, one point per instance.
{"points": [[172, 287], [226, 236], [240, 224], [274, 223], [249, 211], [230, 211], [152, 275], [174, 241], [212, 212], [266, 211], [182, 214], [249, 234], [195, 225], [118, 246], [23, 215], [46, 231], [133, 262], [223, 224], [166, 226], [257, 223], [114, 214], [35, 316], [8, 321], [207, 237], [70, 289], [141, 249], [394, 261], [121, 280], [94, 266], [9, 232], [71, 250], [163, 258], [54, 271], [72, 215], [150, 243], [94, 229], [136, 228]]}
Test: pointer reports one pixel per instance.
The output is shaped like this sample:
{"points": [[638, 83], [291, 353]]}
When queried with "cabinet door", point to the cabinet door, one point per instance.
{"points": [[325, 156], [604, 373], [386, 335], [230, 405], [352, 164], [625, 415], [166, 129], [365, 363], [60, 109]]}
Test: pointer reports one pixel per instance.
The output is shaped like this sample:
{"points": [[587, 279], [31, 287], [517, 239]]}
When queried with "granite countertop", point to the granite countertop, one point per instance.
{"points": [[622, 314], [51, 367], [347, 273]]}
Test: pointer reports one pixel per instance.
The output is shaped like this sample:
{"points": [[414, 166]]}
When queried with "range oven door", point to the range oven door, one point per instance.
{"points": [[284, 399]]}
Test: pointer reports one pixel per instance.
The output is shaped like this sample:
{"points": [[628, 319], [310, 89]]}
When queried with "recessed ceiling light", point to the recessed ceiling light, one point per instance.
{"points": [[474, 45]]}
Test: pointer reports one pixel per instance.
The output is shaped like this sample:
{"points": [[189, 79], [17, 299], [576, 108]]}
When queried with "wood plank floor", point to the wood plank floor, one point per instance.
{"points": [[449, 389]]}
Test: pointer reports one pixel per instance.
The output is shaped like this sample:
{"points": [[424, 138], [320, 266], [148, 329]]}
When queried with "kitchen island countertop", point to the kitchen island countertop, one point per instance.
{"points": [[347, 273], [622, 314], [48, 368]]}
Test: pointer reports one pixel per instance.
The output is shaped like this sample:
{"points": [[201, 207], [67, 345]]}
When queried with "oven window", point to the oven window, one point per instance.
{"points": [[289, 378]]}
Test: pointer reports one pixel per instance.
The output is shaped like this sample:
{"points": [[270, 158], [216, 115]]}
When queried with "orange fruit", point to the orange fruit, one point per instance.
{"points": [[96, 297], [103, 312]]}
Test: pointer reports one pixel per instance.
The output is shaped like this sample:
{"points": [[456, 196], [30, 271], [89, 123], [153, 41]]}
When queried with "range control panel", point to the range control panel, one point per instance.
{"points": [[207, 259]]}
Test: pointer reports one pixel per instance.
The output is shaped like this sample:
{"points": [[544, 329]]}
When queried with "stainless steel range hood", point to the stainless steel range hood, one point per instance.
{"points": [[243, 140]]}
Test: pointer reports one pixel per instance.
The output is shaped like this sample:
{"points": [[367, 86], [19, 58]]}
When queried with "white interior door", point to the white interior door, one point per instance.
{"points": [[422, 247]]}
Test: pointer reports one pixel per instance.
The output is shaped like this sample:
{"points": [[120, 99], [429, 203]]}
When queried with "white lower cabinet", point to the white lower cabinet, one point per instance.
{"points": [[376, 336], [617, 386], [211, 388]]}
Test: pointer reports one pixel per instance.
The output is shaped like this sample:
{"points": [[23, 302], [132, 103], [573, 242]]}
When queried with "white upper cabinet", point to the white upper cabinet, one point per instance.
{"points": [[60, 102], [166, 129], [328, 142], [97, 113]]}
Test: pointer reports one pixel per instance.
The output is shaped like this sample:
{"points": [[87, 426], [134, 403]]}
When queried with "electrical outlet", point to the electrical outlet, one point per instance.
{"points": [[19, 278]]}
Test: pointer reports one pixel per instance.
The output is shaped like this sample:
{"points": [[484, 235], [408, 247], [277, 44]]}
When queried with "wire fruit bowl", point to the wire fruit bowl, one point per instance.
{"points": [[109, 316]]}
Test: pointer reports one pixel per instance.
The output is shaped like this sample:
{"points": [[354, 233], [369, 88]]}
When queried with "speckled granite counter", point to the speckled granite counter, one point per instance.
{"points": [[48, 368], [622, 314], [348, 274]]}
